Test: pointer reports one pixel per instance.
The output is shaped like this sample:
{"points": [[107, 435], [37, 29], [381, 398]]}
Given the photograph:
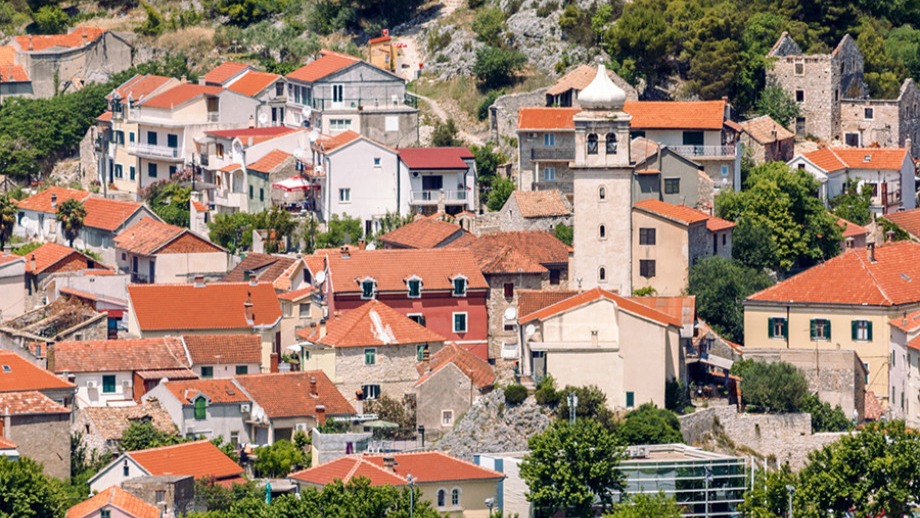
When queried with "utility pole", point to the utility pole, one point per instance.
{"points": [[573, 406]]}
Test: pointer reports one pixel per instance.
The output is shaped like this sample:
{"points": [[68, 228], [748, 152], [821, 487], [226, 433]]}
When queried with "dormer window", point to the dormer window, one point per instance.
{"points": [[368, 288], [415, 287], [592, 144], [201, 406], [459, 286]]}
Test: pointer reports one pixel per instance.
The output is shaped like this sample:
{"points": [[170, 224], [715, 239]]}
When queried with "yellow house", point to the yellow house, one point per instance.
{"points": [[455, 488], [845, 303], [382, 52]]}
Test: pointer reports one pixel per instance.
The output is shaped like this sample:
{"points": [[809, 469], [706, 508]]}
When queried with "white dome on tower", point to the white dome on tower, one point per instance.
{"points": [[602, 93]]}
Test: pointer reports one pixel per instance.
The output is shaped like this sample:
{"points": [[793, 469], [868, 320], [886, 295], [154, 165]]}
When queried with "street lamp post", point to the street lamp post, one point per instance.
{"points": [[791, 490], [490, 502], [411, 480], [573, 406]]}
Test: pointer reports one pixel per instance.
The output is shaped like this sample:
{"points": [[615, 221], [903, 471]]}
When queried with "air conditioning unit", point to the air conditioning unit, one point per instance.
{"points": [[245, 408], [189, 430], [91, 384]]}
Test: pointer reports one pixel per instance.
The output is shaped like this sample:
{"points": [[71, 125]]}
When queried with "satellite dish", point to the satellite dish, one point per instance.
{"points": [[299, 153], [263, 118], [314, 135], [511, 313], [530, 330], [306, 112], [320, 277]]}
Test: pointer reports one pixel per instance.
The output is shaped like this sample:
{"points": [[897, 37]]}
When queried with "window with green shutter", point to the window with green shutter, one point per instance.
{"points": [[370, 356], [201, 406], [820, 329], [630, 399], [421, 352], [861, 330], [777, 327], [415, 288]]}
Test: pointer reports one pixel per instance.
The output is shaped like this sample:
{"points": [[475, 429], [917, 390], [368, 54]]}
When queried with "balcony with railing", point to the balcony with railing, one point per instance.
{"points": [[433, 197], [235, 200], [555, 153], [705, 151], [152, 151], [139, 278], [369, 104]]}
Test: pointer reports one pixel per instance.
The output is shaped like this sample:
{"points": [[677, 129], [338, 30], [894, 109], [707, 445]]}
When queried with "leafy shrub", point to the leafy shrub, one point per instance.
{"points": [[51, 19], [153, 25], [501, 191], [547, 9], [564, 233], [515, 394], [825, 418], [676, 395], [279, 459], [438, 41], [546, 393], [482, 113], [649, 424], [776, 387], [496, 67], [489, 26]]}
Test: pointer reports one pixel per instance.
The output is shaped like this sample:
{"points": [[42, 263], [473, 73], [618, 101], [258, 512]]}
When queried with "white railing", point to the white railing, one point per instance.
{"points": [[704, 150], [154, 151], [437, 195]]}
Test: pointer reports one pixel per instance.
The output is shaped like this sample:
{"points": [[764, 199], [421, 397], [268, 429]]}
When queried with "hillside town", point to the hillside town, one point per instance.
{"points": [[316, 288]]}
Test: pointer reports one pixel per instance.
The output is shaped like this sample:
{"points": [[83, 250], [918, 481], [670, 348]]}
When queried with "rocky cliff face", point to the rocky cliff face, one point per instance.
{"points": [[490, 426]]}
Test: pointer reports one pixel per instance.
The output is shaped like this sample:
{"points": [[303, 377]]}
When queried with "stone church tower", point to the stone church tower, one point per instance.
{"points": [[602, 189]]}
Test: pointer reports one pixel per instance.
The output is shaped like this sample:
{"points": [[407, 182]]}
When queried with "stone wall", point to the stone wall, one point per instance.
{"points": [[785, 437], [176, 492], [44, 438], [394, 369], [447, 389], [503, 113], [498, 304]]}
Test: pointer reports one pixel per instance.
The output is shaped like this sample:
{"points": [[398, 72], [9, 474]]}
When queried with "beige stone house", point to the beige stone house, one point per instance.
{"points": [[845, 303], [39, 427], [153, 251], [535, 210], [450, 381], [668, 239], [767, 140], [629, 350]]}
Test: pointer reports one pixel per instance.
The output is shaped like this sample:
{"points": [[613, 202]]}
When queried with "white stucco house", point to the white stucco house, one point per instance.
{"points": [[211, 408]]}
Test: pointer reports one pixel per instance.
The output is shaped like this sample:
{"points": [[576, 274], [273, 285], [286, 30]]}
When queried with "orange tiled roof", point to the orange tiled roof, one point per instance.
{"points": [[19, 374], [179, 95], [538, 118], [130, 354], [118, 498], [765, 130], [50, 254], [580, 77], [375, 324], [254, 135], [229, 168], [224, 72], [425, 467], [851, 229], [586, 297], [909, 220], [531, 301], [41, 202], [217, 349], [6, 444], [683, 214], [198, 459], [435, 157], [477, 369], [379, 39], [315, 263], [148, 236], [108, 214], [328, 64], [288, 394], [28, 402], [164, 307], [346, 469], [105, 117], [908, 322], [76, 38], [10, 72], [391, 268], [889, 281], [265, 267], [216, 390], [252, 83], [330, 143], [542, 204], [682, 308], [270, 161], [495, 257], [140, 86], [297, 294], [200, 207], [422, 233], [838, 158], [676, 114], [538, 245]]}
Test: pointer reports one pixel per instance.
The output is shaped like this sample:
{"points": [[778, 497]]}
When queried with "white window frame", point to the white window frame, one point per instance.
{"points": [[466, 322], [377, 161], [373, 291], [338, 93], [447, 413], [410, 280], [345, 195], [453, 285], [549, 139]]}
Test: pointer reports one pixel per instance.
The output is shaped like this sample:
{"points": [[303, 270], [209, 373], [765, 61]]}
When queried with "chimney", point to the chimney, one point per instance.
{"points": [[30, 43], [199, 281], [889, 236], [390, 463], [321, 414], [273, 363], [252, 121], [362, 245], [345, 251], [249, 142], [183, 79], [870, 249], [247, 308], [313, 392], [34, 263], [53, 200]]}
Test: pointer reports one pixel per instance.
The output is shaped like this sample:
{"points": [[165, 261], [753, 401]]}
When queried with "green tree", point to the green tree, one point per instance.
{"points": [[487, 161], [785, 200], [824, 417], [340, 231], [592, 405], [279, 459], [649, 424], [570, 466], [25, 491], [232, 231], [883, 72], [644, 505], [445, 134], [769, 497], [496, 67], [489, 26], [154, 24], [402, 412], [903, 45], [501, 191], [482, 111], [642, 39], [854, 203], [775, 102], [51, 19], [70, 214], [720, 286], [753, 246], [564, 233], [279, 226], [170, 201], [771, 387], [142, 435], [214, 497], [8, 212]]}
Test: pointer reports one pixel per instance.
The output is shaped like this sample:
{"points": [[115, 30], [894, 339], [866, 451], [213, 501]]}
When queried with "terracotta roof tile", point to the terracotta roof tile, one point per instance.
{"points": [[708, 115], [165, 307], [218, 349], [681, 308], [108, 214], [422, 233], [225, 72], [77, 37], [315, 263], [683, 214], [28, 402], [425, 467], [266, 267], [270, 161], [540, 246], [495, 257], [288, 394], [542, 204], [198, 459], [578, 78], [328, 64], [851, 229], [641, 149], [531, 118], [18, 374], [909, 220], [908, 322], [179, 95], [130, 354], [148, 236], [41, 202], [50, 254], [765, 130], [327, 143], [888, 281], [825, 159], [379, 39], [200, 207], [477, 369], [391, 268], [254, 135], [252, 83], [170, 374], [435, 157], [873, 407], [229, 168], [10, 72], [110, 422], [375, 324], [6, 444], [586, 297], [216, 390], [838, 158], [129, 505], [8, 257], [297, 294], [531, 301], [140, 86]]}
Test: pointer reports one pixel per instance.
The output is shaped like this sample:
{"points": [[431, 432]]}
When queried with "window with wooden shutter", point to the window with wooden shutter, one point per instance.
{"points": [[861, 330], [820, 329]]}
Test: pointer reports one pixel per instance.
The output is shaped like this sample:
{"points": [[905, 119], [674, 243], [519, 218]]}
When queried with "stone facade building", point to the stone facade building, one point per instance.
{"points": [[535, 210], [767, 140], [39, 427], [448, 385], [883, 122]]}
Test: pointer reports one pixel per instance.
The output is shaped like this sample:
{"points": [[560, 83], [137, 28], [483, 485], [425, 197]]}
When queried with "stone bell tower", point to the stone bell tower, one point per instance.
{"points": [[603, 174]]}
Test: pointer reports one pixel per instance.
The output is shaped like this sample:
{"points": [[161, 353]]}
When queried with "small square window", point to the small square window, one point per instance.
{"points": [[460, 324], [549, 174], [672, 185], [800, 96], [105, 513], [646, 236], [242, 370], [108, 384], [418, 318], [421, 352], [368, 288], [508, 289], [415, 288], [549, 139], [344, 195], [869, 113], [800, 69], [376, 161], [207, 372], [820, 329], [777, 327], [647, 268], [459, 286], [447, 417], [370, 391], [370, 356]]}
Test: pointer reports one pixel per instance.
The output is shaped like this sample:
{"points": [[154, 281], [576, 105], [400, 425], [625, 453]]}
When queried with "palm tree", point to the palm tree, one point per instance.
{"points": [[8, 211], [71, 214]]}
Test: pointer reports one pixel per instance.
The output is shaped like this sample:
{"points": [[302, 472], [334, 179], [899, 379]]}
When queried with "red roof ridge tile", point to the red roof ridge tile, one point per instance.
{"points": [[595, 294]]}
